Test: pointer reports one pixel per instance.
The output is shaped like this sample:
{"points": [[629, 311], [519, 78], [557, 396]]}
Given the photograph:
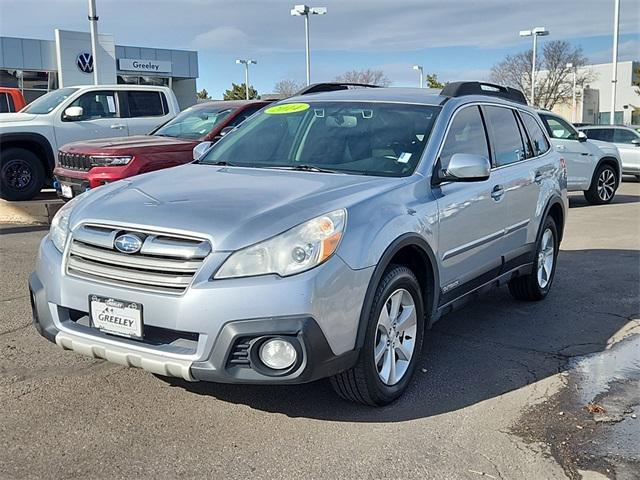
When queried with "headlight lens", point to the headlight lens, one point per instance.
{"points": [[100, 161], [60, 225], [294, 251]]}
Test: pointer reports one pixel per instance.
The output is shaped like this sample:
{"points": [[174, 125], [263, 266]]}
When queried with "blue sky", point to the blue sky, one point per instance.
{"points": [[456, 40]]}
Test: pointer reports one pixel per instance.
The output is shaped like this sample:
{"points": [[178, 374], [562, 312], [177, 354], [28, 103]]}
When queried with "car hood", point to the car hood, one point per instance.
{"points": [[121, 145], [233, 207], [16, 117]]}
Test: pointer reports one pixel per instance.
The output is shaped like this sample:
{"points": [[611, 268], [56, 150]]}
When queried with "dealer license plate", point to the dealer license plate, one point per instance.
{"points": [[67, 191], [118, 317]]}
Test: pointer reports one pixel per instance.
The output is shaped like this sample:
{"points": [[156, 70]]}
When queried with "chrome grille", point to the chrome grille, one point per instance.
{"points": [[74, 161], [166, 263]]}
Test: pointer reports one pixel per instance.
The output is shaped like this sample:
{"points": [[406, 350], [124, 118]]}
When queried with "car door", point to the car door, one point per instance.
{"points": [[100, 118], [629, 152], [579, 157], [146, 110], [471, 214]]}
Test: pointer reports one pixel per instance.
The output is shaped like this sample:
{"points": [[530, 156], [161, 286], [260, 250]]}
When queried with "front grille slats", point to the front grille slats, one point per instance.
{"points": [[92, 256], [74, 161]]}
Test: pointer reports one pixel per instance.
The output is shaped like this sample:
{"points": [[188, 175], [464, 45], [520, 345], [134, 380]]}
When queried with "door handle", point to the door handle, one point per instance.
{"points": [[538, 177], [497, 192], [561, 148], [118, 126]]}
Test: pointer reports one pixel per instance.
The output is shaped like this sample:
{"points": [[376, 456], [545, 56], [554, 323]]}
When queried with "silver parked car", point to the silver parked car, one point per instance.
{"points": [[321, 238], [627, 139]]}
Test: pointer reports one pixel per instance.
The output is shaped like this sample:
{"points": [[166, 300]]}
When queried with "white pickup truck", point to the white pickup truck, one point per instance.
{"points": [[29, 139]]}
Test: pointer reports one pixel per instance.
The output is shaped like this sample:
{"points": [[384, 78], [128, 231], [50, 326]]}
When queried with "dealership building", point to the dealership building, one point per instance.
{"points": [[39, 66]]}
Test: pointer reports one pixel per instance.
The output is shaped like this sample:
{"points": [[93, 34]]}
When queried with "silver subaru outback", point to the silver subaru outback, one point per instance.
{"points": [[321, 238]]}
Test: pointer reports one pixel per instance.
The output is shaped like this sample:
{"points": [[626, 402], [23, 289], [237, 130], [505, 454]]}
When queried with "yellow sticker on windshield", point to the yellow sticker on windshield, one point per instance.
{"points": [[287, 108]]}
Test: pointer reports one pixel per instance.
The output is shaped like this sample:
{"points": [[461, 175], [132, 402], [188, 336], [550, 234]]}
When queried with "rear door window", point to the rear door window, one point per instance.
{"points": [[145, 104], [466, 135], [620, 135], [506, 140], [537, 136]]}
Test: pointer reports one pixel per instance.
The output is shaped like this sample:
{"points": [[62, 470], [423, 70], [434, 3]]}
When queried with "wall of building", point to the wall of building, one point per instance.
{"points": [[71, 44], [626, 94]]}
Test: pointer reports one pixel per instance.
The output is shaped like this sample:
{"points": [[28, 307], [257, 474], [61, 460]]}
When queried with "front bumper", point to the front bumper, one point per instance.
{"points": [[196, 336]]}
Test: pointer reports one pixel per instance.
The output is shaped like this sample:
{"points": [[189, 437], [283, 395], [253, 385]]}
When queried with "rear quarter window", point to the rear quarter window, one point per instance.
{"points": [[4, 103], [536, 135]]}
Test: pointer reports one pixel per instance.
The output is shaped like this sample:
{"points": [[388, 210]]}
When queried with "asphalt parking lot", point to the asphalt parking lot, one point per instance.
{"points": [[500, 392]]}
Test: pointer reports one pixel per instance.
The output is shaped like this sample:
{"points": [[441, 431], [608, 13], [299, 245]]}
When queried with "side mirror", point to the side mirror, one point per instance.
{"points": [[73, 113], [636, 142], [582, 137], [225, 130], [466, 167], [200, 149]]}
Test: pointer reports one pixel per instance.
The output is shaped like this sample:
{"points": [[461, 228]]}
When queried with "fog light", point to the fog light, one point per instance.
{"points": [[278, 354]]}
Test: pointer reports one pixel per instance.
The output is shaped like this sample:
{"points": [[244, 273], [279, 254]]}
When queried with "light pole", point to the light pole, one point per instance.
{"points": [[418, 68], [573, 93], [93, 25], [305, 11], [246, 64], [535, 33], [614, 73]]}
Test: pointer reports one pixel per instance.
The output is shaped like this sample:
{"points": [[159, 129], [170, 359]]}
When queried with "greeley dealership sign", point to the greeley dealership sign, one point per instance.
{"points": [[135, 65]]}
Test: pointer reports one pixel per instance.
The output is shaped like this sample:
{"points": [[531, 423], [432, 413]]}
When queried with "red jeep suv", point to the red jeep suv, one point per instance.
{"points": [[89, 164]]}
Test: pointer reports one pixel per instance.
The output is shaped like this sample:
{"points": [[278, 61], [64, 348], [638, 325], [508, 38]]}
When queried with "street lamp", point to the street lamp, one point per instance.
{"points": [[614, 74], [418, 68], [305, 11], [573, 92], [246, 64], [535, 33], [93, 25]]}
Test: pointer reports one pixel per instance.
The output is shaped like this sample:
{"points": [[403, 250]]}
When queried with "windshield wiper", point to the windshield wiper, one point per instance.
{"points": [[304, 168]]}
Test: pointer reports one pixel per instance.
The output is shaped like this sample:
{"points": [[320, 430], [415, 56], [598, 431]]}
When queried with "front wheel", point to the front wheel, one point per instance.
{"points": [[536, 285], [21, 174], [392, 343], [603, 187]]}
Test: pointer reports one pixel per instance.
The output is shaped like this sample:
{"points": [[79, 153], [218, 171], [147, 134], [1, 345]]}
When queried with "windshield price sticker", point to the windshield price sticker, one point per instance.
{"points": [[287, 108]]}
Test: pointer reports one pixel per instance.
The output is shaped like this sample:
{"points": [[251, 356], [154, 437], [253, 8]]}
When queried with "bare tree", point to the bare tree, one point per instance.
{"points": [[287, 88], [371, 77], [554, 79]]}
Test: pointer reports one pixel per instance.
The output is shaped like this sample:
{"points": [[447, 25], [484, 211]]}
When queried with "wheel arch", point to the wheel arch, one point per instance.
{"points": [[555, 210], [34, 142], [611, 161], [412, 251]]}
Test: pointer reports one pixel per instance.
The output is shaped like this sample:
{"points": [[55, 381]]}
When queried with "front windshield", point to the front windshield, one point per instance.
{"points": [[48, 102], [194, 123], [384, 139]]}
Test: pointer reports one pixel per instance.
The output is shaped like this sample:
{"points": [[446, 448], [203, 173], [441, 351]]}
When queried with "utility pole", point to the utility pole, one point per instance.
{"points": [[614, 73], [93, 23]]}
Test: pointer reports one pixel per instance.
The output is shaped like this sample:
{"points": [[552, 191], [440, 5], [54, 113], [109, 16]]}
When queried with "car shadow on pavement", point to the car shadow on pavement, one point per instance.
{"points": [[493, 346], [578, 201]]}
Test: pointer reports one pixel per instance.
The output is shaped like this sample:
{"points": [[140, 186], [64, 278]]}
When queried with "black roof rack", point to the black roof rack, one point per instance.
{"points": [[459, 89], [332, 87]]}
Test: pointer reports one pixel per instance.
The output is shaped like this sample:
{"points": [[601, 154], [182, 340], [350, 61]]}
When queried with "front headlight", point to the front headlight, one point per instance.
{"points": [[294, 251], [106, 161], [60, 225]]}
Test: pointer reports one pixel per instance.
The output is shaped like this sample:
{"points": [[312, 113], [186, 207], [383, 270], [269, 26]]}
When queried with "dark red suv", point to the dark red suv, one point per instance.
{"points": [[89, 164]]}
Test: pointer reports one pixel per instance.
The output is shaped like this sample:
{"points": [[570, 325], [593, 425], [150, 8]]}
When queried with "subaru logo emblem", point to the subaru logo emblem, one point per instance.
{"points": [[84, 61], [128, 243]]}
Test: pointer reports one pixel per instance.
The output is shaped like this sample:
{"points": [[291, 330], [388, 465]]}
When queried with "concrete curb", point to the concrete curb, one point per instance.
{"points": [[31, 212]]}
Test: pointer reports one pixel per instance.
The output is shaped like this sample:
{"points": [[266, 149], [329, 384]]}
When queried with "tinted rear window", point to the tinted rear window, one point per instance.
{"points": [[145, 104], [505, 139], [537, 136], [4, 103], [604, 134]]}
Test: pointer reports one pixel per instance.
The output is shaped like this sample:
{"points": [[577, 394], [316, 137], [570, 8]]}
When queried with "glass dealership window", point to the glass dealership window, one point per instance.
{"points": [[32, 83], [143, 80]]}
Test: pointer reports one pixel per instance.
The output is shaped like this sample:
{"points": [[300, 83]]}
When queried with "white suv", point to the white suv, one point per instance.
{"points": [[29, 140], [593, 167]]}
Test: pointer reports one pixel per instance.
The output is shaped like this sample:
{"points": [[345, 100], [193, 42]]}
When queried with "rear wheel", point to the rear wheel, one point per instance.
{"points": [[603, 187], [21, 174], [392, 344], [536, 285]]}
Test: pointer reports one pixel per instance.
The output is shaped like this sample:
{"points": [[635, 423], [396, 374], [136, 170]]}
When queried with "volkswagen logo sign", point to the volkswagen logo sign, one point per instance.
{"points": [[128, 243], [84, 61]]}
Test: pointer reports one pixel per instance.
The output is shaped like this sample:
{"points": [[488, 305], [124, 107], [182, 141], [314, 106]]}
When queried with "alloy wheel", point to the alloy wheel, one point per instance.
{"points": [[606, 185], [546, 258], [18, 173], [395, 337]]}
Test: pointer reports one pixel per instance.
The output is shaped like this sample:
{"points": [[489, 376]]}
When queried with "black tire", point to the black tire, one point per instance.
{"points": [[603, 186], [22, 175], [528, 287], [362, 384]]}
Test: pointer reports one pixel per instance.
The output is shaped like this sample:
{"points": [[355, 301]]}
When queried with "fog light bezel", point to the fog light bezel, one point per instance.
{"points": [[258, 364]]}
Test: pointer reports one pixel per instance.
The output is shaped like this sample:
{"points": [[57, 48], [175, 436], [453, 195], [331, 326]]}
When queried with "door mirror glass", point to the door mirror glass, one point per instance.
{"points": [[582, 137], [636, 142], [467, 167], [200, 149], [74, 113]]}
